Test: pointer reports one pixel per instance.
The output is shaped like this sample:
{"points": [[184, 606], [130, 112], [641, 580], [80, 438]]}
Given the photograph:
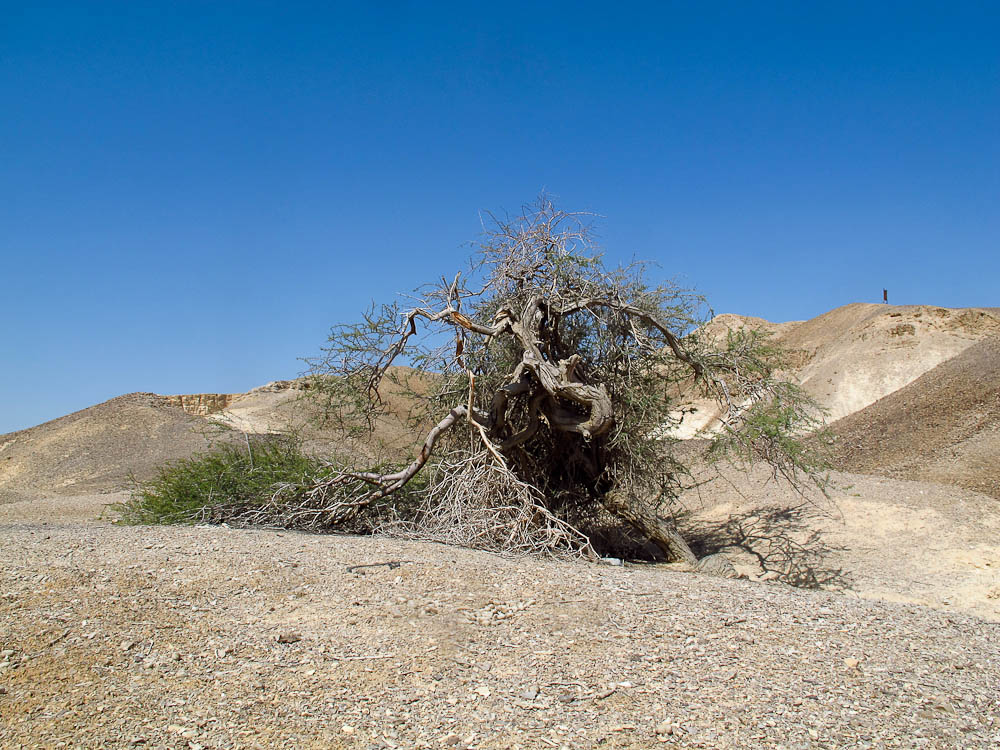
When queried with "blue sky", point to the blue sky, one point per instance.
{"points": [[192, 193]]}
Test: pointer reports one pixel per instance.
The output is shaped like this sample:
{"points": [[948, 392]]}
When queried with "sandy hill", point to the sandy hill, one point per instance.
{"points": [[97, 449], [943, 427], [848, 359], [854, 355]]}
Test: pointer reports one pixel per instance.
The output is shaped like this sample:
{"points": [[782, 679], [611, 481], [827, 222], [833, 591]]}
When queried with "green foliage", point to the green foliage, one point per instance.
{"points": [[547, 384], [222, 481], [767, 426]]}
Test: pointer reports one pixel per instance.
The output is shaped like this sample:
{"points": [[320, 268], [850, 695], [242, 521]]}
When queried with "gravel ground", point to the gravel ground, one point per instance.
{"points": [[193, 638]]}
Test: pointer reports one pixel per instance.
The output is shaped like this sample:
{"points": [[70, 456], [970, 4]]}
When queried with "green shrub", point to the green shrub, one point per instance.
{"points": [[222, 482]]}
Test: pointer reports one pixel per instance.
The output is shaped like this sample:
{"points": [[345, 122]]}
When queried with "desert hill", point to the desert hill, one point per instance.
{"points": [[859, 353], [95, 449], [99, 448], [850, 357], [910, 391], [917, 385]]}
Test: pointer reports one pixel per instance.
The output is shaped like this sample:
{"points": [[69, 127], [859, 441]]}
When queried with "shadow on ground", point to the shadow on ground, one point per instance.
{"points": [[782, 540]]}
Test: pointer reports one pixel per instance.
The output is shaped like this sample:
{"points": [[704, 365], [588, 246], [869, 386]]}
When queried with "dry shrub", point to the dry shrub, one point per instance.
{"points": [[475, 501]]}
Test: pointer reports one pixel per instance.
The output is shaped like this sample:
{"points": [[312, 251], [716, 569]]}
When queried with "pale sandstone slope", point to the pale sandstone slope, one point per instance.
{"points": [[854, 355], [859, 353]]}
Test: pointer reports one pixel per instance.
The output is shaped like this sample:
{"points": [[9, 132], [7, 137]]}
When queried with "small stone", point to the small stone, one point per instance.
{"points": [[483, 690], [664, 727], [530, 694], [451, 739], [347, 729], [851, 663], [6, 654], [289, 637], [127, 646]]}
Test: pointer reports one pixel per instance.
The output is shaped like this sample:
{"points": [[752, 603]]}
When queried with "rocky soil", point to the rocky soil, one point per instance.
{"points": [[181, 637], [873, 537]]}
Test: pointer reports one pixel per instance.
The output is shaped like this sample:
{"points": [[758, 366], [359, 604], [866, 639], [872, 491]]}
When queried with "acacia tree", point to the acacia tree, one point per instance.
{"points": [[548, 390]]}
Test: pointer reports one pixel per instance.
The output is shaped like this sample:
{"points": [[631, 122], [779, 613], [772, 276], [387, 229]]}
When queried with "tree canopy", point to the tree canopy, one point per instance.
{"points": [[549, 387]]}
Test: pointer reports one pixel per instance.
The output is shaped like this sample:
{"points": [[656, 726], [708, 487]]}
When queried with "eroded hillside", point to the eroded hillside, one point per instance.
{"points": [[850, 357]]}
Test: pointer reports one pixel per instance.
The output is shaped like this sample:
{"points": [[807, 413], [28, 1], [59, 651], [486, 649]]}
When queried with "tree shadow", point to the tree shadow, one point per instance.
{"points": [[782, 540]]}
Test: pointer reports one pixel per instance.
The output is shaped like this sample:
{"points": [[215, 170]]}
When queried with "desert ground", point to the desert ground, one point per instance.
{"points": [[212, 637]]}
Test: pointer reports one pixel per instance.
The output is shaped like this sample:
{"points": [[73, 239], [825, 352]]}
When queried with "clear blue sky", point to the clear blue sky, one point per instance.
{"points": [[192, 193]]}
